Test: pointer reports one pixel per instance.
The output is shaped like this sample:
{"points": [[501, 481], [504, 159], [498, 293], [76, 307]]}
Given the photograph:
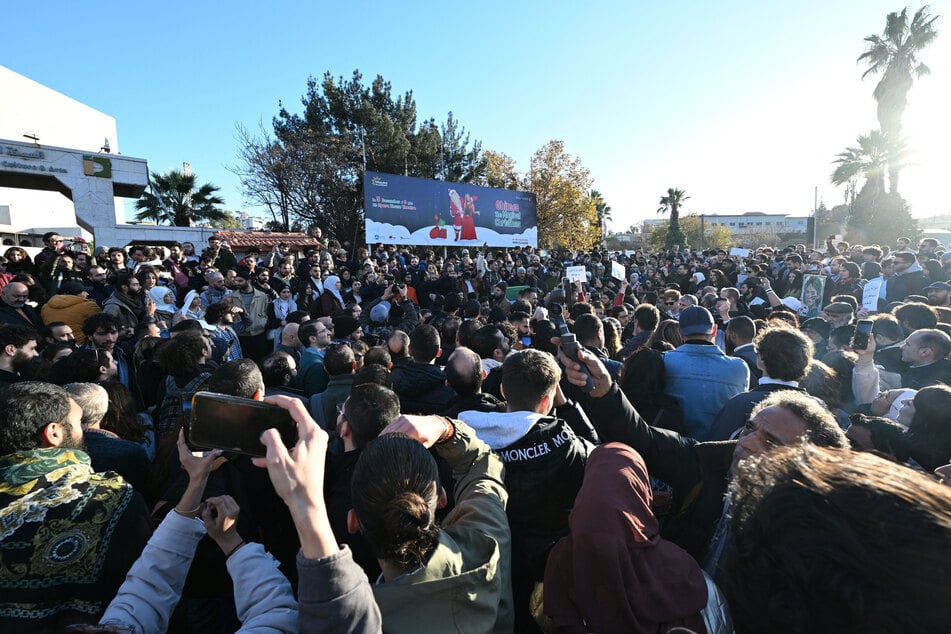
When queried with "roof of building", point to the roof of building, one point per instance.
{"points": [[265, 240]]}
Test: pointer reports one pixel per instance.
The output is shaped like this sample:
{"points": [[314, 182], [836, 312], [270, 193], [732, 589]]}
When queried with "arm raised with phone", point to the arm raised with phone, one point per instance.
{"points": [[334, 594]]}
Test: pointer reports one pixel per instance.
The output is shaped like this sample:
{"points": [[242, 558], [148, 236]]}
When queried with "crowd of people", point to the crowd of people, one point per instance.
{"points": [[488, 442]]}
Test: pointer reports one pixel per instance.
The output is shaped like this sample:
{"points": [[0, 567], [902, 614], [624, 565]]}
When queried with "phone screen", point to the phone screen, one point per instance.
{"points": [[863, 331], [219, 421], [569, 294]]}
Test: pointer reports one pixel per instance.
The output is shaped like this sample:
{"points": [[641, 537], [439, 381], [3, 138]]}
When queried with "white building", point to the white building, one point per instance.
{"points": [[29, 108], [747, 223], [60, 170]]}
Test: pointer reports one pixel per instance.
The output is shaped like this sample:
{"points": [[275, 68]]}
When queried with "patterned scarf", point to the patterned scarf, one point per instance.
{"points": [[58, 521]]}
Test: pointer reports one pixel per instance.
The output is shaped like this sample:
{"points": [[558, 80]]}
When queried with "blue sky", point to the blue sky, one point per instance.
{"points": [[743, 104]]}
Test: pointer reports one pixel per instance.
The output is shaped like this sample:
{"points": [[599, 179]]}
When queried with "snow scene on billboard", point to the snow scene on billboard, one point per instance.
{"points": [[404, 210]]}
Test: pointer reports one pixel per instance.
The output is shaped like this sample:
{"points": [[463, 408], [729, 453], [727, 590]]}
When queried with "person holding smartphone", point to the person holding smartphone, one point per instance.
{"points": [[462, 562], [153, 587]]}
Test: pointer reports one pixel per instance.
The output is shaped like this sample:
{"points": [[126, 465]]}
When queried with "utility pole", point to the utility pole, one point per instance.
{"points": [[815, 216]]}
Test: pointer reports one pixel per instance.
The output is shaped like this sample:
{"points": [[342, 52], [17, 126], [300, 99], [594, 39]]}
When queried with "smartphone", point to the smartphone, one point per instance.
{"points": [[863, 330], [569, 292], [219, 421]]}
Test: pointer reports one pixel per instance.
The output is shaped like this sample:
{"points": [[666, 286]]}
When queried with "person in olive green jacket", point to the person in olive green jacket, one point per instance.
{"points": [[453, 578]]}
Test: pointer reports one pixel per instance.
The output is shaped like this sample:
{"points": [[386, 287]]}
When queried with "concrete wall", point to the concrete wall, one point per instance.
{"points": [[27, 107]]}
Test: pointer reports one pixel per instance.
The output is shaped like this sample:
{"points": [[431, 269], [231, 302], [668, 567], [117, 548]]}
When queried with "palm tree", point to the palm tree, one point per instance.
{"points": [[174, 200], [869, 160], [894, 54], [601, 207], [603, 210], [672, 203]]}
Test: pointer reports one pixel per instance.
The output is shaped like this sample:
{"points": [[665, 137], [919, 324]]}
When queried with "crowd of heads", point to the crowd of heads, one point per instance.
{"points": [[839, 463]]}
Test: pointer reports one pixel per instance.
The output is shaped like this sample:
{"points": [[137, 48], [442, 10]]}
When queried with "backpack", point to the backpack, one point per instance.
{"points": [[175, 401]]}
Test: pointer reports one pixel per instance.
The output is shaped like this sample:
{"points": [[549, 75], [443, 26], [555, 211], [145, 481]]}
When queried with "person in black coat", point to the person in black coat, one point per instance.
{"points": [[420, 384], [14, 309], [699, 472], [908, 279], [785, 356]]}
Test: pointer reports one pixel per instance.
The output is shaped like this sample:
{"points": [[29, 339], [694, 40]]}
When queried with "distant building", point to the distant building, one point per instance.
{"points": [[249, 222], [751, 222]]}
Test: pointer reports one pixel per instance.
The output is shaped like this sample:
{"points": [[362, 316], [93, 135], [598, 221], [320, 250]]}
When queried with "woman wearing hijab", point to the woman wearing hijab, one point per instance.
{"points": [[331, 302], [277, 312], [614, 573], [164, 299], [191, 308]]}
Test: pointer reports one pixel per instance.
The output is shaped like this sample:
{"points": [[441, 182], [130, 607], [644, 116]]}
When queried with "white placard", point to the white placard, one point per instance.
{"points": [[617, 270], [576, 274], [870, 295], [743, 253]]}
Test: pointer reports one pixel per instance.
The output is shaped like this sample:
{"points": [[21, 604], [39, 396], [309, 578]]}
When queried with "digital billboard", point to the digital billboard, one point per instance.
{"points": [[405, 210]]}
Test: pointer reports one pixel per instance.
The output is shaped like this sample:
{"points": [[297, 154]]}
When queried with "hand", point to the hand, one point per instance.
{"points": [[599, 374], [149, 307], [221, 521], [298, 474], [425, 429], [559, 396], [197, 464], [865, 356], [862, 313], [298, 477]]}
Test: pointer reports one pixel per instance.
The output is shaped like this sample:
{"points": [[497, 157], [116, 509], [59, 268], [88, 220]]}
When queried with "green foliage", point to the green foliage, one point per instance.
{"points": [[173, 199], [566, 212], [894, 55], [715, 236], [877, 217], [869, 160], [671, 204], [602, 210], [229, 220], [312, 169]]}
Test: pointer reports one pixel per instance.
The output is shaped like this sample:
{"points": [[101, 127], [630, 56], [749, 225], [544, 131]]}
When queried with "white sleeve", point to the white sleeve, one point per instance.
{"points": [[153, 587], [262, 595], [865, 383]]}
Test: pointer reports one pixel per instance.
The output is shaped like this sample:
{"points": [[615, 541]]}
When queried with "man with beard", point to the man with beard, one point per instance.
{"points": [[17, 352], [216, 290], [13, 307], [99, 290], [125, 305], [70, 535], [102, 333], [253, 338]]}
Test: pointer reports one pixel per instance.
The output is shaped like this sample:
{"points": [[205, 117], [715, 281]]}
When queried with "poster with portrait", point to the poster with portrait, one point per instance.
{"points": [[813, 290]]}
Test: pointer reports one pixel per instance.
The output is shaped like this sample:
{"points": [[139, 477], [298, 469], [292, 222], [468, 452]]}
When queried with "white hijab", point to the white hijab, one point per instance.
{"points": [[330, 285], [186, 312], [158, 294]]}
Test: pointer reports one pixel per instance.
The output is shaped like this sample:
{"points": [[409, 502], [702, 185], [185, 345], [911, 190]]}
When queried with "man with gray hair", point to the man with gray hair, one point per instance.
{"points": [[216, 290], [107, 451]]}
